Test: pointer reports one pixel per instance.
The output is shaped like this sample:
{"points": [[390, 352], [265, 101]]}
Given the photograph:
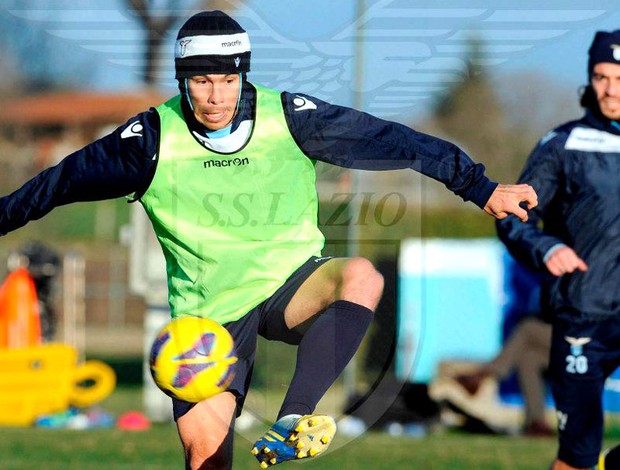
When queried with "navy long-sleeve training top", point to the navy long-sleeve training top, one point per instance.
{"points": [[575, 170], [123, 162]]}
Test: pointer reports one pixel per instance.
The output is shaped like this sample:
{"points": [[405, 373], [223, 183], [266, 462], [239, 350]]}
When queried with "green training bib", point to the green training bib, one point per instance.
{"points": [[233, 227]]}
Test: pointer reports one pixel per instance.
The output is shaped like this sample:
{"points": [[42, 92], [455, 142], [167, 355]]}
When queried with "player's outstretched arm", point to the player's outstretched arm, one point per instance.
{"points": [[507, 199]]}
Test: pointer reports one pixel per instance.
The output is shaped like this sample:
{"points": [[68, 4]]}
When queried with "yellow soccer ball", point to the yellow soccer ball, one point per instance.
{"points": [[193, 359]]}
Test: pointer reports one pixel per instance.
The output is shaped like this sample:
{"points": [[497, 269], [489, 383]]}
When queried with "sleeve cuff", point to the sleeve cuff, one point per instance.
{"points": [[551, 250], [482, 193]]}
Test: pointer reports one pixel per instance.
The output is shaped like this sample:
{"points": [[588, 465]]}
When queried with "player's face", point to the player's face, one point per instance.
{"points": [[214, 98], [606, 84]]}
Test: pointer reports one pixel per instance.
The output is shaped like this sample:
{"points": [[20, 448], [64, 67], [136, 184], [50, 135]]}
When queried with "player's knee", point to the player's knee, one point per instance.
{"points": [[361, 276]]}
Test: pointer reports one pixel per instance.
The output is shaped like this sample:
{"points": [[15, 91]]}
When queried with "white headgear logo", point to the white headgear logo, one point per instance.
{"points": [[237, 61], [183, 43], [616, 51]]}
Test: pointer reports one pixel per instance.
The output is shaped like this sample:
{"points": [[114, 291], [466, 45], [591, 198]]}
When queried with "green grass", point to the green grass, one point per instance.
{"points": [[158, 448]]}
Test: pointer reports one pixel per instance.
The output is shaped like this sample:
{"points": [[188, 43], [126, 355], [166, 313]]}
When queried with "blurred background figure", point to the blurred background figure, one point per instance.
{"points": [[527, 353], [43, 264], [515, 373], [527, 340]]}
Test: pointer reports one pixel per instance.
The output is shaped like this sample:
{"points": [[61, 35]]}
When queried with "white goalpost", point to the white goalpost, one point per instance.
{"points": [[147, 278]]}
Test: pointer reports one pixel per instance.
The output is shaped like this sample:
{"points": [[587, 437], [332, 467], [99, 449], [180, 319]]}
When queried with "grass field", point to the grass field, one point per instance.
{"points": [[158, 448]]}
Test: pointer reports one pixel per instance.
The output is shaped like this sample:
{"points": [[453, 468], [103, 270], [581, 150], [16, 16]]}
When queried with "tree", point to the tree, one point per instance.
{"points": [[498, 120], [471, 114], [157, 18]]}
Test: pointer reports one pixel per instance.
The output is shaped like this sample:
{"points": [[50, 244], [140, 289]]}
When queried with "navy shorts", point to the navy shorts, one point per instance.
{"points": [[583, 355], [266, 320]]}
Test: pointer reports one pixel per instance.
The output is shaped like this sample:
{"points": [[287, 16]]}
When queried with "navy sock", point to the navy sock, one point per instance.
{"points": [[323, 353]]}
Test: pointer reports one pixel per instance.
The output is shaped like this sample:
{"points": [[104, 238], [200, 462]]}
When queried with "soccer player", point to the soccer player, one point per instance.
{"points": [[225, 172], [575, 169]]}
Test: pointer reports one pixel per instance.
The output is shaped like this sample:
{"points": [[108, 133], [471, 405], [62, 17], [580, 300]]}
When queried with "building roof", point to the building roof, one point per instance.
{"points": [[77, 108]]}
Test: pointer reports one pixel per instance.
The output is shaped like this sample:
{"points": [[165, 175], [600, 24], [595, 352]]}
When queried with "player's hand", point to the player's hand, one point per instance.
{"points": [[564, 260], [506, 199]]}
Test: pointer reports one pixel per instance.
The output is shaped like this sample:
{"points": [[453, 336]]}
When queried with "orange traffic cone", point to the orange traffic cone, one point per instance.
{"points": [[20, 321]]}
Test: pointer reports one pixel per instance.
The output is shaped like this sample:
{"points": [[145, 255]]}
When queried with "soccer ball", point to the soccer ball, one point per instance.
{"points": [[193, 359]]}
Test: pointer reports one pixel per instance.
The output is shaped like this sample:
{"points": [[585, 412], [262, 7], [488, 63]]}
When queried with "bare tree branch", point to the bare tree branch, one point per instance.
{"points": [[140, 8], [156, 27]]}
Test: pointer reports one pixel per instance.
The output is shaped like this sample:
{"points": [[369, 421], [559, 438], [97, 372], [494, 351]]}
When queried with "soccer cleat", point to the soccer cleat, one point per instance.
{"points": [[601, 460], [293, 438]]}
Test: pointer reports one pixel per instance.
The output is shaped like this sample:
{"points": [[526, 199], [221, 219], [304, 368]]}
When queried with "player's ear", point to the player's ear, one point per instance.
{"points": [[184, 89]]}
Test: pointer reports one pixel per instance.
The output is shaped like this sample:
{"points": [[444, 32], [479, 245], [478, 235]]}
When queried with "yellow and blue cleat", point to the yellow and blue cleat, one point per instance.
{"points": [[294, 437], [601, 460]]}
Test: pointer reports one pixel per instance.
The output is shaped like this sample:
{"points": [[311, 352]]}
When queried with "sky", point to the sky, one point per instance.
{"points": [[411, 49]]}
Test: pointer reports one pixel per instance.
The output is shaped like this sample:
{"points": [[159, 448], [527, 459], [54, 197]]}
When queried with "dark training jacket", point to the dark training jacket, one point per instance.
{"points": [[575, 170], [123, 163]]}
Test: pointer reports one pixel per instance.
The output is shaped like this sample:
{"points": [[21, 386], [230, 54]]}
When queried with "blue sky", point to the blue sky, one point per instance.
{"points": [[411, 49]]}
